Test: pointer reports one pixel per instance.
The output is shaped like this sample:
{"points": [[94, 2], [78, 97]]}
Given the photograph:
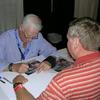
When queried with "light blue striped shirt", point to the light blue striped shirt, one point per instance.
{"points": [[9, 51]]}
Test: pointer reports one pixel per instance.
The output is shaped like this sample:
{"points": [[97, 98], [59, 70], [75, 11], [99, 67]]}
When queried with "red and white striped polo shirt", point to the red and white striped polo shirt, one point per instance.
{"points": [[81, 82]]}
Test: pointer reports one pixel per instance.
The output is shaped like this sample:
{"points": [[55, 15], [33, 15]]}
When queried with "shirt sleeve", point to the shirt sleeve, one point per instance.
{"points": [[52, 92], [2, 53], [6, 41], [46, 48]]}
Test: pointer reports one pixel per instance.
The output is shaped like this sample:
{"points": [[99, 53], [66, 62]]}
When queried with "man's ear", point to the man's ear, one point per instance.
{"points": [[21, 28], [76, 43]]}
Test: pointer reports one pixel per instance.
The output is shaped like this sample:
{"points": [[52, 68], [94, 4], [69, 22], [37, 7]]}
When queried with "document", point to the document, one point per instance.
{"points": [[33, 85], [37, 58], [26, 61]]}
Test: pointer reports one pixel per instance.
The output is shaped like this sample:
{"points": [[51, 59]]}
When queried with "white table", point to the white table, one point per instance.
{"points": [[7, 92], [3, 96], [33, 85]]}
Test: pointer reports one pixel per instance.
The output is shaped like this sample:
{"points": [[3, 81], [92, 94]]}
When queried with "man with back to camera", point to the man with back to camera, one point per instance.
{"points": [[81, 81], [24, 43]]}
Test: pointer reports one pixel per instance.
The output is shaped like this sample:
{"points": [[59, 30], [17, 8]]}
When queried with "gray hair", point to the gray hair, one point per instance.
{"points": [[88, 31], [33, 21]]}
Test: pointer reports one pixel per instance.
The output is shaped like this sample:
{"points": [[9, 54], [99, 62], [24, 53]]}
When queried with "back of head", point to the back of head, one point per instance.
{"points": [[88, 31], [33, 21]]}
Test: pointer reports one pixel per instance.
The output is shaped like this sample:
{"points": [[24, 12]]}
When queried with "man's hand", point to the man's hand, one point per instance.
{"points": [[45, 65], [19, 79], [21, 92], [20, 68]]}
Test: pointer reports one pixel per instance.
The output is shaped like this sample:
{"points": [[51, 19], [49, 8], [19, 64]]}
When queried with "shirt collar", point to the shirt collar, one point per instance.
{"points": [[18, 39], [87, 58]]}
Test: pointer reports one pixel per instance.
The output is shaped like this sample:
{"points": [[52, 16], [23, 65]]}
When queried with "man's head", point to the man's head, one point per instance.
{"points": [[30, 27], [83, 34]]}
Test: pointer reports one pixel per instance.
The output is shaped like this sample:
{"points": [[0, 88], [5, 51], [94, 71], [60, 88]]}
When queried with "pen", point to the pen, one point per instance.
{"points": [[7, 80], [2, 81], [4, 78]]}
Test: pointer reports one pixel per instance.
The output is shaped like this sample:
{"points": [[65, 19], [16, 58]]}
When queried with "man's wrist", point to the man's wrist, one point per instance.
{"points": [[48, 63], [10, 66], [51, 60], [15, 84], [18, 86]]}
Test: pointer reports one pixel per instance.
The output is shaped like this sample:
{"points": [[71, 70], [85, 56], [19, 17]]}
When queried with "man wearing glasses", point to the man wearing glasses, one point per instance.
{"points": [[24, 43]]}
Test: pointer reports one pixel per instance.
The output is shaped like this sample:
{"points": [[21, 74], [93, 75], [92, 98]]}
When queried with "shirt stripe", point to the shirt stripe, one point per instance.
{"points": [[80, 82]]}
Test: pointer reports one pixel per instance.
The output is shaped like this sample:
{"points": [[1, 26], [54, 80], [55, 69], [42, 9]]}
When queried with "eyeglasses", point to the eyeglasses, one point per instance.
{"points": [[29, 35]]}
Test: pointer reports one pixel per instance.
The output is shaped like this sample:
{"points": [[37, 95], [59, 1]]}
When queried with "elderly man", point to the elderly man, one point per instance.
{"points": [[81, 81], [24, 43]]}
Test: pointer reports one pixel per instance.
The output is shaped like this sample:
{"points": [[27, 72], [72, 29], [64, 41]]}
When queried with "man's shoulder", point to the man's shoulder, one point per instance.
{"points": [[11, 31], [7, 34], [40, 34], [40, 37], [65, 73]]}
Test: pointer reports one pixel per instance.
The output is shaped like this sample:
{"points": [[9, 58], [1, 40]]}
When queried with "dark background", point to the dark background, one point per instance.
{"points": [[98, 16], [54, 20]]}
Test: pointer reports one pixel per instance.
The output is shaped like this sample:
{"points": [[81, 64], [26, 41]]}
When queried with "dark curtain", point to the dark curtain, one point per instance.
{"points": [[55, 16], [98, 15]]}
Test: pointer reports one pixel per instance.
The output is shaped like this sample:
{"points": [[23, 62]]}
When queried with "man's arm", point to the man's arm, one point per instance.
{"points": [[48, 63], [46, 48], [21, 92]]}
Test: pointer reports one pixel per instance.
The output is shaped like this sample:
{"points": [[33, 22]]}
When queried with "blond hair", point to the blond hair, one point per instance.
{"points": [[88, 31]]}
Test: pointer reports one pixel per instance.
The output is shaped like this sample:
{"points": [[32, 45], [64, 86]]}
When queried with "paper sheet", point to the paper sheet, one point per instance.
{"points": [[38, 58], [33, 85]]}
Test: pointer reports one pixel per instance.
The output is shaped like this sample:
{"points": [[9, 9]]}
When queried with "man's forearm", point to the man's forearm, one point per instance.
{"points": [[23, 94]]}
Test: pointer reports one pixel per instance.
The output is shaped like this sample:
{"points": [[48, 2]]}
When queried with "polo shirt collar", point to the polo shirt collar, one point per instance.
{"points": [[87, 58]]}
